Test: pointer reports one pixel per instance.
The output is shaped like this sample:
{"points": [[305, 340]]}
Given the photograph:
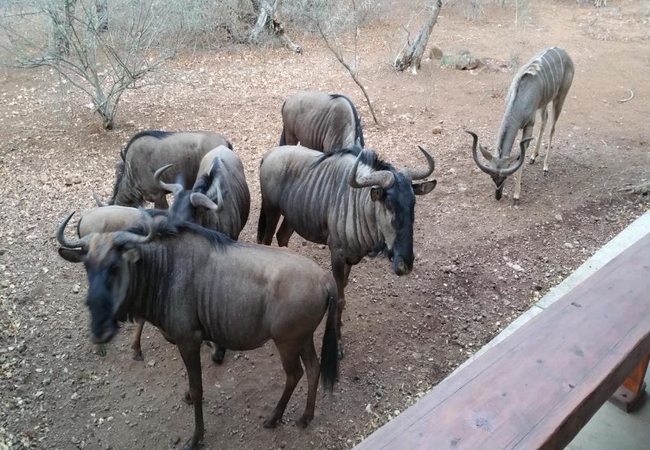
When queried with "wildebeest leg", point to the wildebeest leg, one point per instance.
{"points": [[135, 345], [218, 353], [267, 224], [191, 354], [339, 270], [544, 116], [290, 355], [284, 233], [160, 202], [310, 360], [348, 267]]}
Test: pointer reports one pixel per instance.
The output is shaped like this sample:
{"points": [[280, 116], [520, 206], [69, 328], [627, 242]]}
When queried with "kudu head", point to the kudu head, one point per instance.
{"points": [[107, 258], [186, 203], [498, 168], [393, 193]]}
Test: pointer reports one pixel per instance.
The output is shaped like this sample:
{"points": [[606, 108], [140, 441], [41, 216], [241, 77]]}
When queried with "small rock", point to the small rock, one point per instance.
{"points": [[4, 283], [74, 396], [151, 363], [436, 130], [43, 178], [322, 247], [568, 245], [76, 288], [435, 52], [2, 251], [558, 217]]}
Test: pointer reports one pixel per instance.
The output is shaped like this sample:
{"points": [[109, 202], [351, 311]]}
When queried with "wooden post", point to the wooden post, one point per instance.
{"points": [[631, 395]]}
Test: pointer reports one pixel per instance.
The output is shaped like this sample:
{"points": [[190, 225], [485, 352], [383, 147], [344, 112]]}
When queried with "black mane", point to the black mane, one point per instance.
{"points": [[368, 157], [119, 167], [358, 129]]}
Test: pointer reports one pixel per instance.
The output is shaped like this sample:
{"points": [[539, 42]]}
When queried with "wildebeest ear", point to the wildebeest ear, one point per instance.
{"points": [[376, 193], [424, 188], [131, 255], [73, 255]]}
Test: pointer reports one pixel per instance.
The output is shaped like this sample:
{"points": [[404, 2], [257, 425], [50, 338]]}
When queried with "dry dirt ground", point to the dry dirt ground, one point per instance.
{"points": [[480, 263]]}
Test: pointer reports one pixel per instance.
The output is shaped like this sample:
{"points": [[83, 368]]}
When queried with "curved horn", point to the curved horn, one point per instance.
{"points": [[214, 191], [197, 199], [174, 188], [522, 156], [77, 243], [485, 168], [419, 174], [382, 178], [98, 200], [127, 237]]}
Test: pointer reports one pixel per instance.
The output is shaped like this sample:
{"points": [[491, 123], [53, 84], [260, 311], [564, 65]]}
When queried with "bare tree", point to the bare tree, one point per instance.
{"points": [[267, 17], [101, 62], [412, 56]]}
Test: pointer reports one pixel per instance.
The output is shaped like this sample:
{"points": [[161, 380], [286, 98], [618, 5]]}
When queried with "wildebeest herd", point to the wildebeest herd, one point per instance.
{"points": [[182, 269]]}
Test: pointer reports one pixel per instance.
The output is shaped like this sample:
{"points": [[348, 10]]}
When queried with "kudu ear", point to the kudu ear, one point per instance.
{"points": [[376, 193], [74, 255], [424, 188]]}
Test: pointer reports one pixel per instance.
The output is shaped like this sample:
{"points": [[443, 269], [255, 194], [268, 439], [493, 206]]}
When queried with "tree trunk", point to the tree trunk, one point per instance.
{"points": [[101, 7], [412, 56], [267, 18], [61, 15]]}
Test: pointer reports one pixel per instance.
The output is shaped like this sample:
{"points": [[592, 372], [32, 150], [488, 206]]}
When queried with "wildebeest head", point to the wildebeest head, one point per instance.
{"points": [[187, 202], [499, 168], [393, 193], [106, 257]]}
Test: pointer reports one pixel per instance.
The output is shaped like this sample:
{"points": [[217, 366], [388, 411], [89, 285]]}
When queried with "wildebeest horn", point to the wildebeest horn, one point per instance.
{"points": [[98, 200], [127, 237], [419, 174], [214, 191], [174, 188], [486, 155], [522, 156], [77, 243], [198, 199], [382, 178]]}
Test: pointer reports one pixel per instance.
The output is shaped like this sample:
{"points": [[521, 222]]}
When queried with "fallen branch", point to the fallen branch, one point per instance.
{"points": [[643, 189]]}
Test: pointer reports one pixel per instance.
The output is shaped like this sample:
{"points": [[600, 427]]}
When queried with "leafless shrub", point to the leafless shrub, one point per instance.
{"points": [[101, 52]]}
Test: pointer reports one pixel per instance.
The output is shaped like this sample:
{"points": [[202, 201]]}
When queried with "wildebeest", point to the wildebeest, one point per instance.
{"points": [[110, 218], [544, 79], [320, 121], [149, 150], [221, 177], [349, 199], [196, 284]]}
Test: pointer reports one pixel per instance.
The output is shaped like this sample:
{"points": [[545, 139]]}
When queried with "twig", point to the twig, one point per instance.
{"points": [[628, 99], [352, 73]]}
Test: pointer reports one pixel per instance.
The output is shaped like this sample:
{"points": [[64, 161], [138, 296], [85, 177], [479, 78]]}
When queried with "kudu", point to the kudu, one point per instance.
{"points": [[544, 79]]}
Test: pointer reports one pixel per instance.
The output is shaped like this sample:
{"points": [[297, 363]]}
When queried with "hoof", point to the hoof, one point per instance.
{"points": [[545, 172], [270, 423], [341, 353], [303, 422], [192, 444], [515, 201], [100, 350], [532, 161], [187, 398], [137, 355]]}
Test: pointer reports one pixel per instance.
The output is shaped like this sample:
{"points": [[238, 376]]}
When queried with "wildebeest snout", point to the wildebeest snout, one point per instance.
{"points": [[400, 266], [104, 332]]}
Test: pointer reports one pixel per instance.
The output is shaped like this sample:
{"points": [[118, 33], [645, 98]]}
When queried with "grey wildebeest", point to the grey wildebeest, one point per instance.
{"points": [[149, 150], [544, 79], [219, 200], [196, 284], [348, 199], [320, 121]]}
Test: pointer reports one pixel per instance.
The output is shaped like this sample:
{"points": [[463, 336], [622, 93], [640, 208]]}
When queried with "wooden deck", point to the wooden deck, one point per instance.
{"points": [[539, 386]]}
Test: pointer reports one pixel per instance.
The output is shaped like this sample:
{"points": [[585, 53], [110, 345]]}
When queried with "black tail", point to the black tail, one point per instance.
{"points": [[329, 355], [261, 226], [358, 127], [283, 138]]}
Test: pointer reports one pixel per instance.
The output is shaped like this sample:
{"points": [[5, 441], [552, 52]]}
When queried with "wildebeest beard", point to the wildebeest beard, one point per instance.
{"points": [[381, 249]]}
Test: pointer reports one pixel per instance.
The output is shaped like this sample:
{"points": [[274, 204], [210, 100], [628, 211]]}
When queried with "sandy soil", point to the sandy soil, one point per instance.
{"points": [[480, 263]]}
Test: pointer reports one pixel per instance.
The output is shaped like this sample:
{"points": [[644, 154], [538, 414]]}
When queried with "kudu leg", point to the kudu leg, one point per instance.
{"points": [[191, 354], [310, 361], [557, 109], [136, 344], [528, 132], [544, 116], [290, 355]]}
